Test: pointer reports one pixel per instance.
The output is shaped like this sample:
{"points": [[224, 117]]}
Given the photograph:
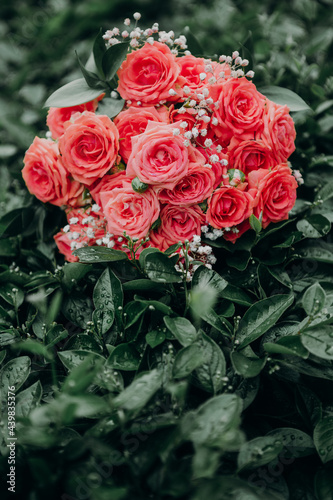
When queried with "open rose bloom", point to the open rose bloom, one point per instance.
{"points": [[195, 150]]}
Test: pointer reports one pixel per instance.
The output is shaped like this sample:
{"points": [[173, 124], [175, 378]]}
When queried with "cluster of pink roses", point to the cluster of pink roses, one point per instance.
{"points": [[196, 149]]}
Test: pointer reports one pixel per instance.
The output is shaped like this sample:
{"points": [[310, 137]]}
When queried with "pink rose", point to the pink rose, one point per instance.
{"points": [[159, 157], [237, 231], [250, 154], [276, 193], [228, 207], [177, 224], [279, 131], [56, 117], [89, 146], [47, 178], [107, 183], [194, 187], [240, 109], [220, 167], [127, 210], [190, 69], [133, 121], [147, 75], [64, 246]]}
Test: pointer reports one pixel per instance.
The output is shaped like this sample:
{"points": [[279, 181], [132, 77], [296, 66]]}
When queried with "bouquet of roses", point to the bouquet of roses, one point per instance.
{"points": [[156, 146]]}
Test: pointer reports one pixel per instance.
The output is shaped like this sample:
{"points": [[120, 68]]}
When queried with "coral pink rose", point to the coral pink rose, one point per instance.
{"points": [[219, 169], [237, 231], [159, 157], [107, 183], [56, 117], [89, 146], [279, 131], [47, 178], [190, 69], [133, 121], [240, 109], [194, 187], [250, 155], [177, 224], [64, 246], [129, 211], [147, 75], [228, 207], [276, 193]]}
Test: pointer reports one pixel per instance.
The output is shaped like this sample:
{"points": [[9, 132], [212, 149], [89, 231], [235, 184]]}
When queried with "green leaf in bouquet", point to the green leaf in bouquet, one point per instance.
{"points": [[78, 309], [325, 193], [133, 312], [308, 405], [11, 294], [220, 324], [108, 300], [109, 379], [99, 49], [138, 186], [182, 329], [124, 357], [261, 316], [258, 452], [323, 438], [288, 345], [14, 373], [55, 334], [284, 96], [2, 356], [215, 423], [205, 462], [245, 366], [156, 305], [91, 78], [99, 254], [314, 226], [73, 358], [28, 399], [73, 272], [72, 94], [110, 107], [255, 223], [35, 347], [161, 269], [314, 299], [9, 247], [210, 374], [322, 252], [192, 43], [82, 375], [139, 392], [239, 260], [319, 341], [113, 58], [143, 285], [297, 442], [187, 360], [204, 276], [248, 389]]}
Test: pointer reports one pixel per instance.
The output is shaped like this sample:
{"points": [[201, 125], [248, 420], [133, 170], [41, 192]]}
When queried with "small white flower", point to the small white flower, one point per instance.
{"points": [[186, 143], [95, 207], [250, 74], [114, 94], [214, 158], [202, 76], [175, 131], [137, 16], [235, 54], [127, 22], [208, 143], [125, 34], [73, 220], [172, 92], [66, 228], [184, 124], [188, 134], [195, 132]]}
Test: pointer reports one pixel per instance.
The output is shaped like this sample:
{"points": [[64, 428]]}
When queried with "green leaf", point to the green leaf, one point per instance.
{"points": [[99, 254], [78, 309], [8, 337], [298, 443], [314, 226], [325, 193], [284, 96], [247, 367], [14, 373], [143, 285], [289, 345], [34, 347], [82, 375], [110, 106], [182, 329], [28, 399], [73, 272], [187, 360], [323, 438], [236, 295], [161, 268], [258, 452], [215, 422], [211, 317], [73, 358], [141, 390], [133, 311], [204, 276], [308, 405], [239, 260], [156, 305], [323, 483], [210, 373], [99, 50], [91, 78], [72, 94], [319, 341], [113, 58], [124, 357], [138, 186], [314, 299], [83, 342], [255, 223], [108, 300], [155, 338], [261, 316], [320, 253], [109, 379]]}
